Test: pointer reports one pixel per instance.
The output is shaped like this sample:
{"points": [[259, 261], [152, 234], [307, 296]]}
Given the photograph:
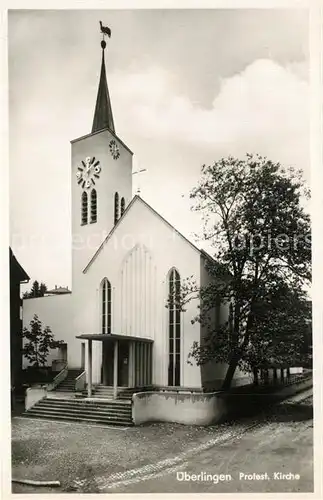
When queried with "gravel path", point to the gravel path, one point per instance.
{"points": [[46, 450]]}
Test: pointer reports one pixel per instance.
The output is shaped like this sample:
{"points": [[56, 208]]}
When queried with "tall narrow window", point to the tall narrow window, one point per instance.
{"points": [[122, 205], [106, 306], [84, 208], [116, 207], [174, 329], [93, 206]]}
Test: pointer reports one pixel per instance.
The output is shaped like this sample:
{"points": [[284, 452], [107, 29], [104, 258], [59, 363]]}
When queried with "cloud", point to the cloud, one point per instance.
{"points": [[263, 109]]}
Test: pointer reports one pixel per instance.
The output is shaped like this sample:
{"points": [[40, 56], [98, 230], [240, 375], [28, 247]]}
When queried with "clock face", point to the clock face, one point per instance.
{"points": [[114, 149], [88, 172]]}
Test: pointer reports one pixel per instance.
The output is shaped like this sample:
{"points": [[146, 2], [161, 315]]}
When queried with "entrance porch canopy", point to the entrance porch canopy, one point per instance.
{"points": [[111, 336], [115, 337]]}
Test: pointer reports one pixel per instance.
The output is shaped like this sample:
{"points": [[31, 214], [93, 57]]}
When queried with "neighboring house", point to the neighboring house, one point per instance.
{"points": [[17, 276], [58, 290]]}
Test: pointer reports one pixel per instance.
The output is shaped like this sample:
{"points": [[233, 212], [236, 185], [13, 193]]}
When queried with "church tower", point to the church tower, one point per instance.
{"points": [[101, 180]]}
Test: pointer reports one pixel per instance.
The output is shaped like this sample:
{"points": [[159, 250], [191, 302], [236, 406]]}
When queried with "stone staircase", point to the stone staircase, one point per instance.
{"points": [[82, 410], [68, 384], [106, 392]]}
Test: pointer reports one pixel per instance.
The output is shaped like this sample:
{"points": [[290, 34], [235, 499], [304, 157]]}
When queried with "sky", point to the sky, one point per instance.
{"points": [[187, 88]]}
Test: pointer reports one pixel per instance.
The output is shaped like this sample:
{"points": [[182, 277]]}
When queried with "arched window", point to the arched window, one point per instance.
{"points": [[122, 205], [116, 207], [174, 329], [93, 206], [106, 306], [84, 208]]}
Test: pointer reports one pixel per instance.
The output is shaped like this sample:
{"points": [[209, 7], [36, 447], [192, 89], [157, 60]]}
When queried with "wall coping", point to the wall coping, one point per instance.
{"points": [[191, 394]]}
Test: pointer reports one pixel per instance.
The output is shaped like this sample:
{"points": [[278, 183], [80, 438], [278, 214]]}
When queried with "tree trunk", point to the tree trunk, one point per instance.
{"points": [[266, 376], [255, 376], [230, 373]]}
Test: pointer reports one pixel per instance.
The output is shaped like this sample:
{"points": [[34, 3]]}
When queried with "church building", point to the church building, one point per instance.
{"points": [[119, 327]]}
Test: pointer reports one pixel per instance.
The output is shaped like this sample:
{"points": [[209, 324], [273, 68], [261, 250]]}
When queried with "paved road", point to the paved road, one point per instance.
{"points": [[274, 455]]}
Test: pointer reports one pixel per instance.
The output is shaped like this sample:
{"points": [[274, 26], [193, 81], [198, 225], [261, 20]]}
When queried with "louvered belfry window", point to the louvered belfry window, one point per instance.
{"points": [[123, 206], [116, 208], [84, 208], [94, 209]]}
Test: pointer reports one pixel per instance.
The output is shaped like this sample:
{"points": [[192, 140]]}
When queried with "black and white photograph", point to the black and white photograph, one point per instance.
{"points": [[160, 251]]}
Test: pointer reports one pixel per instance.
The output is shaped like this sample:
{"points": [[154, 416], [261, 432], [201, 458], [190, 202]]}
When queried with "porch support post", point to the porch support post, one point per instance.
{"points": [[149, 365], [89, 369], [115, 370], [141, 350], [131, 363]]}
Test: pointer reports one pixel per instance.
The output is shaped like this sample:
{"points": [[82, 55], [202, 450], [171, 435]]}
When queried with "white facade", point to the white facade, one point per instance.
{"points": [[136, 259], [135, 252]]}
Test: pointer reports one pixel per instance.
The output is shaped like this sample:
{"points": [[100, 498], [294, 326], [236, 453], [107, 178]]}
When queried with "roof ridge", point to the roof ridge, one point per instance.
{"points": [[136, 197]]}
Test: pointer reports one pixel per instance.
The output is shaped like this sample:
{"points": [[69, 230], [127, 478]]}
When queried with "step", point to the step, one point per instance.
{"points": [[76, 413], [64, 389], [75, 419], [82, 413], [107, 391], [76, 407], [124, 411], [83, 402], [71, 387]]}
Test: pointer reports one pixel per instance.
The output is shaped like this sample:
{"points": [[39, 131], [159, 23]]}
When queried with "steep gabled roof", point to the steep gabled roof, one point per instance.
{"points": [[139, 199]]}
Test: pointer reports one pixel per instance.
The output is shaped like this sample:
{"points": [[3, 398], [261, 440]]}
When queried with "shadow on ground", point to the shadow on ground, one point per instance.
{"points": [[292, 412], [284, 412]]}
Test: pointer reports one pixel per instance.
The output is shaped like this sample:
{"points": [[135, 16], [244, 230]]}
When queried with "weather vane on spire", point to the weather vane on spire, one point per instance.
{"points": [[105, 30]]}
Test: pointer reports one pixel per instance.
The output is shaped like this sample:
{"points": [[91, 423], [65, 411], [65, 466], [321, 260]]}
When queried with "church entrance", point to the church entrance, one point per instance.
{"points": [[108, 353], [126, 361]]}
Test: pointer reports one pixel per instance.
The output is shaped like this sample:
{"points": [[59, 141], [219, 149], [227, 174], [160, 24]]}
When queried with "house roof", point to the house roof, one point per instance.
{"points": [[139, 199], [16, 268], [58, 290]]}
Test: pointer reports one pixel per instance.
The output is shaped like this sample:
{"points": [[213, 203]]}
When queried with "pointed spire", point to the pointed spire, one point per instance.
{"points": [[103, 117]]}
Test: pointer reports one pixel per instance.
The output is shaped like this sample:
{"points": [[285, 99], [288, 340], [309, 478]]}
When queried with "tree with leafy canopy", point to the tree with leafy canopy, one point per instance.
{"points": [[37, 290], [259, 233], [38, 342]]}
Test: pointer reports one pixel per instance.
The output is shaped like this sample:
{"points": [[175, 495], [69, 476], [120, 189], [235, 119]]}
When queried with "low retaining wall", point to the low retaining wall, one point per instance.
{"points": [[198, 409], [207, 408], [34, 394]]}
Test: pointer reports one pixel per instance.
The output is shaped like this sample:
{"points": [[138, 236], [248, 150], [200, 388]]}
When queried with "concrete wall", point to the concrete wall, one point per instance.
{"points": [[191, 409], [54, 311], [33, 395], [136, 261], [207, 408]]}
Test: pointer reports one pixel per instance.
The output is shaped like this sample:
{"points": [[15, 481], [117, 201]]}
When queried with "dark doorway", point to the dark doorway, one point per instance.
{"points": [[123, 364], [108, 363]]}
